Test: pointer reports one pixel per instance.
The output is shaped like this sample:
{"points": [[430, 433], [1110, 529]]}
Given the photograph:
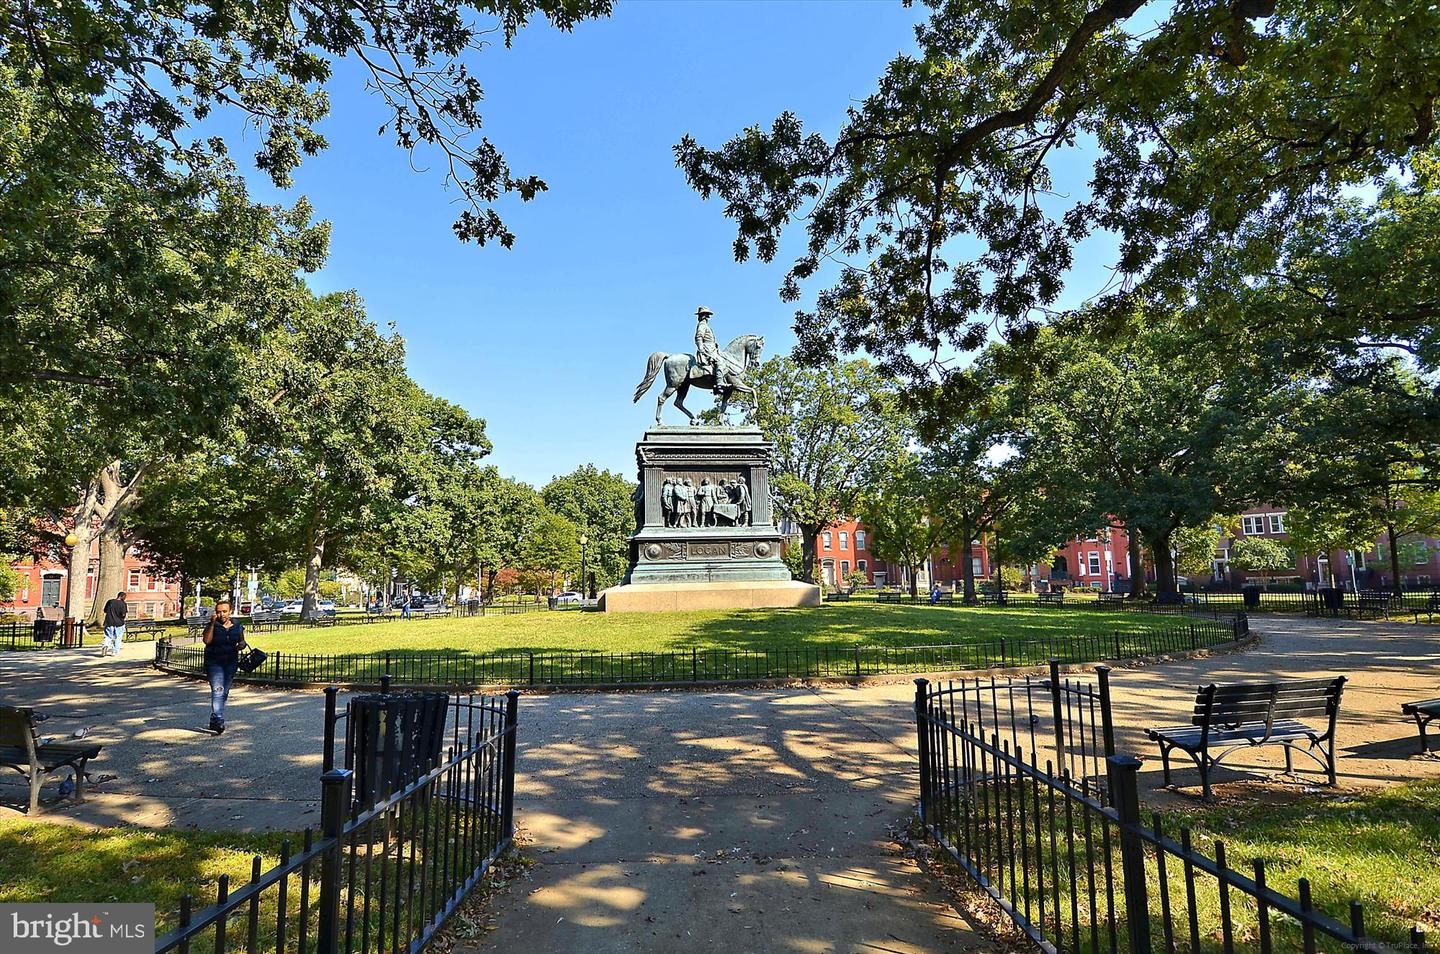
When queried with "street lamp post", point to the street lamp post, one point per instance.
{"points": [[583, 554]]}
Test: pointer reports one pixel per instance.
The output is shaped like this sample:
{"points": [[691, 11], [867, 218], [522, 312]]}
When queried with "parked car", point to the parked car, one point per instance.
{"points": [[569, 596], [290, 607]]}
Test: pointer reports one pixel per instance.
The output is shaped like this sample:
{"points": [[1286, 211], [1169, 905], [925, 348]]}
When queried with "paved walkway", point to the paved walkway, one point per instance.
{"points": [[669, 818]]}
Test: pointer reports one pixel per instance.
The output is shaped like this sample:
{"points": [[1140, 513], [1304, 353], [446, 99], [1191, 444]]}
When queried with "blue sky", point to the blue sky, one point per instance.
{"points": [[547, 341]]}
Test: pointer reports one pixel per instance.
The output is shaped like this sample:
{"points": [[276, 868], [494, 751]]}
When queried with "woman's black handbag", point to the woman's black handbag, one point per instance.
{"points": [[253, 660]]}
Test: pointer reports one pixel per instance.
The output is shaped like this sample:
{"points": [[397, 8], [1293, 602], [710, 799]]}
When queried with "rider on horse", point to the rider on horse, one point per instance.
{"points": [[707, 351]]}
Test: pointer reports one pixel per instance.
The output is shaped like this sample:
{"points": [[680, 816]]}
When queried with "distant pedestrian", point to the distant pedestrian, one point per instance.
{"points": [[405, 608], [115, 613], [935, 593], [224, 638]]}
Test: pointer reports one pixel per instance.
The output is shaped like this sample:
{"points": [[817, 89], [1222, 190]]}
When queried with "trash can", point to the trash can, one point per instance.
{"points": [[45, 630], [393, 739], [1251, 595], [1332, 598]]}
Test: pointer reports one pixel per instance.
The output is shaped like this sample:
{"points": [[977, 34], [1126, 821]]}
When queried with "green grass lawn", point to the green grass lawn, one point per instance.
{"points": [[1377, 848], [737, 629], [44, 861]]}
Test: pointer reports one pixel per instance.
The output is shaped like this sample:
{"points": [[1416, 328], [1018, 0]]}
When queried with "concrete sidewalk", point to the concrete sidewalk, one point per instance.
{"points": [[759, 821]]}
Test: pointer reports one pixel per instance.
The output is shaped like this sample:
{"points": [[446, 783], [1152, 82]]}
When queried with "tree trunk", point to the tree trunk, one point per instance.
{"points": [[995, 562], [114, 499], [914, 569], [75, 604], [1396, 588], [967, 567], [1136, 551], [808, 535], [110, 577], [1164, 564], [312, 570]]}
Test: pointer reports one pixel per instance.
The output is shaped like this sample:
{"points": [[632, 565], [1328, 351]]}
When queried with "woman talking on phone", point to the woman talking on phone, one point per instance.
{"points": [[224, 638]]}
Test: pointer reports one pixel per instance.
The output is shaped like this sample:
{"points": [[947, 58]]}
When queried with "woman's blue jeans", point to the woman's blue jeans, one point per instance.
{"points": [[220, 677]]}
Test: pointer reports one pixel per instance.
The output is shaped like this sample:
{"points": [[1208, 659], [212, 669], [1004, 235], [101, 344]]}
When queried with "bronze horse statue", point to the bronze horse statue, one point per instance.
{"points": [[681, 372]]}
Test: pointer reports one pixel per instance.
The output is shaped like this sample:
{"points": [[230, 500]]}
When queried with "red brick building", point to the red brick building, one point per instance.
{"points": [[1102, 561], [43, 583], [1352, 569]]}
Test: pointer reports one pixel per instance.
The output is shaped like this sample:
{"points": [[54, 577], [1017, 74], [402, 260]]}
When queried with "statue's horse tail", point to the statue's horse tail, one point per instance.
{"points": [[657, 361]]}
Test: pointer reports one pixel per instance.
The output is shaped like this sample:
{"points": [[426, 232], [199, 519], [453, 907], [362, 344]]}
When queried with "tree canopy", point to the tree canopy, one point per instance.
{"points": [[832, 427], [1218, 129]]}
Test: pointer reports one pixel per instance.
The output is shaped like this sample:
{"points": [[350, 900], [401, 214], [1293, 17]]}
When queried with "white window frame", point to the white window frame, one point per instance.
{"points": [[977, 566], [825, 540], [844, 570], [1092, 562], [859, 539], [844, 539], [1276, 521], [132, 581], [861, 565], [1252, 524]]}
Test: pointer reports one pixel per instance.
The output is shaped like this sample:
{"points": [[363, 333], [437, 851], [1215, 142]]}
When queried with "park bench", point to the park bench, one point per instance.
{"points": [[38, 760], [1052, 598], [433, 610], [1247, 715], [1111, 599], [945, 597], [1432, 606], [888, 596], [837, 596], [196, 624], [1371, 606], [383, 614], [1424, 713], [262, 619], [143, 627], [992, 599]]}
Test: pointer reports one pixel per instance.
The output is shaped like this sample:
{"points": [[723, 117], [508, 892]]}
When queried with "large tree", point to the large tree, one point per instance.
{"points": [[601, 505], [896, 511], [832, 428], [1150, 428], [1215, 130]]}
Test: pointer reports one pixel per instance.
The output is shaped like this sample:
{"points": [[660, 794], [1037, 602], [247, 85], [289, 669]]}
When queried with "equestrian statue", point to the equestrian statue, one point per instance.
{"points": [[722, 371]]}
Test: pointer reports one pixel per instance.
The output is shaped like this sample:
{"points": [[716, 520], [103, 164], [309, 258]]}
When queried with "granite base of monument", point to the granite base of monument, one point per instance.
{"points": [[673, 597], [707, 537]]}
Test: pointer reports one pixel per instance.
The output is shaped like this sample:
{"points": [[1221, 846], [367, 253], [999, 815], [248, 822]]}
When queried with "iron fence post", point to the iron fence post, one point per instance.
{"points": [[335, 792], [1107, 725], [694, 664], [532, 668], [385, 677], [1057, 712], [328, 759], [857, 660], [507, 780], [922, 739], [1124, 794]]}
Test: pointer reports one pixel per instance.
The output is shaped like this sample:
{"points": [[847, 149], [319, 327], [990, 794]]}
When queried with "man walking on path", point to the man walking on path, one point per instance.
{"points": [[115, 612]]}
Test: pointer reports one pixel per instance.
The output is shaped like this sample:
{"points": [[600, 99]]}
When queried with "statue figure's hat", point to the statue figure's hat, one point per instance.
{"points": [[703, 312]]}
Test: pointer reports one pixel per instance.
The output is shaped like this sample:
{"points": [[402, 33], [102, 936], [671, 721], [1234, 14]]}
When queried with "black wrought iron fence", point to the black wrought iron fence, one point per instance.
{"points": [[1077, 869], [382, 877], [455, 668]]}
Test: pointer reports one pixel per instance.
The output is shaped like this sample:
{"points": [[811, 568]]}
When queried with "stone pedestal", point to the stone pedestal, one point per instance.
{"points": [[707, 537]]}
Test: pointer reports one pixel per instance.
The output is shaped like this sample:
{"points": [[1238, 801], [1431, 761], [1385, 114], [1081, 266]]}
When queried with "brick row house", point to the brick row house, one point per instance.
{"points": [[42, 582], [1347, 568], [1102, 561]]}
